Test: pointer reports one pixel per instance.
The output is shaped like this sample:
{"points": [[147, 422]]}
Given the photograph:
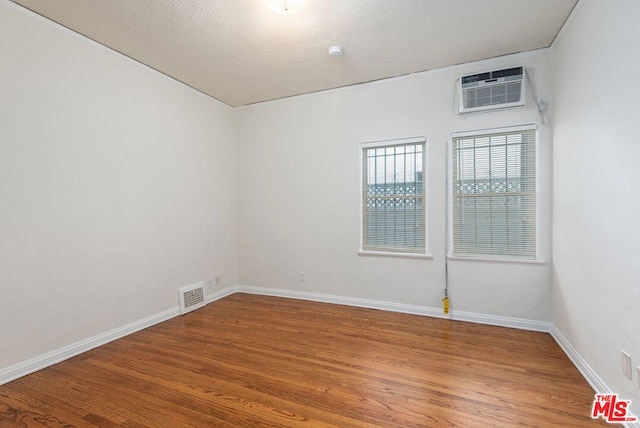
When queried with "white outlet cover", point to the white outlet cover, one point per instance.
{"points": [[625, 362], [638, 369]]}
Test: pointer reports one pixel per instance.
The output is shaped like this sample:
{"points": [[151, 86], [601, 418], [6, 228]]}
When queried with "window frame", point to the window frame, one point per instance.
{"points": [[451, 200], [420, 140]]}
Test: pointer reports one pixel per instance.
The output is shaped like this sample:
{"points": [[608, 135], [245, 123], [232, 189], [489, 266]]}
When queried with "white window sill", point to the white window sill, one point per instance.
{"points": [[497, 260], [393, 254]]}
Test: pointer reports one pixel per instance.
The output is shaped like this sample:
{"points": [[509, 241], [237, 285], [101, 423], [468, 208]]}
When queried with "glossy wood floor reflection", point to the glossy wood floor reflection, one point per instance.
{"points": [[256, 361]]}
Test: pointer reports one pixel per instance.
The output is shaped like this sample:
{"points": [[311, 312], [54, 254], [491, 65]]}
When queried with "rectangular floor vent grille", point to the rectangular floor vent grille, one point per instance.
{"points": [[192, 297]]}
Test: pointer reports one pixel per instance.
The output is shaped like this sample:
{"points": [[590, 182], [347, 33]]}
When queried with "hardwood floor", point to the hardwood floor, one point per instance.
{"points": [[256, 361]]}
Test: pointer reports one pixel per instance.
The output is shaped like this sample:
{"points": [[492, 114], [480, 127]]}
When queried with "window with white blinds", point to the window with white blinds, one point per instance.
{"points": [[494, 194], [393, 196]]}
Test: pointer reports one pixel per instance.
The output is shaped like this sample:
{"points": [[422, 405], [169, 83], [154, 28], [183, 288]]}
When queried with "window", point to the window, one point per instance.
{"points": [[393, 196], [494, 194]]}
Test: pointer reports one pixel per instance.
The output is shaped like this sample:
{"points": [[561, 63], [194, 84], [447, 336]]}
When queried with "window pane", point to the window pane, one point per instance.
{"points": [[393, 198], [494, 195]]}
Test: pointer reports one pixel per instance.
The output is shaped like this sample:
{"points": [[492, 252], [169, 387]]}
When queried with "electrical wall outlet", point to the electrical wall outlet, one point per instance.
{"points": [[625, 362], [301, 276], [638, 377]]}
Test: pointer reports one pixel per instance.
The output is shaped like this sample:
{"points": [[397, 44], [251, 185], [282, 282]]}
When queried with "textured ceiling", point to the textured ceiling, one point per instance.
{"points": [[242, 52]]}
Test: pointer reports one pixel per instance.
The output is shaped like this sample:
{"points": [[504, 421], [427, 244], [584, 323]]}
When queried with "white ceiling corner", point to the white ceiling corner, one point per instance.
{"points": [[242, 52]]}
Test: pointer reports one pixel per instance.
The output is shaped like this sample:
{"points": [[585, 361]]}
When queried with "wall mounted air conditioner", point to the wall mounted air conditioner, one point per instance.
{"points": [[492, 90]]}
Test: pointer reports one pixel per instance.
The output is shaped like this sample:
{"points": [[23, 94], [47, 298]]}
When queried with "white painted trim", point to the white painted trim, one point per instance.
{"points": [[497, 130], [502, 321], [50, 358], [496, 260], [585, 370], [342, 300], [519, 323], [221, 294], [393, 142], [428, 256], [56, 356], [22, 369]]}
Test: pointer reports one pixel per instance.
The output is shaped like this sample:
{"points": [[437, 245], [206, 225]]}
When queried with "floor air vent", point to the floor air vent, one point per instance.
{"points": [[191, 297]]}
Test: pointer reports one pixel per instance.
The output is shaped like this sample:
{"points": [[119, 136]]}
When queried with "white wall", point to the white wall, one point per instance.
{"points": [[299, 181], [596, 212], [117, 186]]}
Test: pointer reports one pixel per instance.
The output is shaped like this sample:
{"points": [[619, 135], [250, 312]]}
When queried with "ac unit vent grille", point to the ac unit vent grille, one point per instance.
{"points": [[492, 95], [192, 298], [492, 90]]}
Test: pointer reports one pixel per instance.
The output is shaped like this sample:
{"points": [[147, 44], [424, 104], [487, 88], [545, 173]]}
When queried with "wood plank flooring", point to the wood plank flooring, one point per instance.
{"points": [[256, 361]]}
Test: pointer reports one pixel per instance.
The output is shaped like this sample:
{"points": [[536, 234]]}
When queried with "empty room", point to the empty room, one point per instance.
{"points": [[297, 213]]}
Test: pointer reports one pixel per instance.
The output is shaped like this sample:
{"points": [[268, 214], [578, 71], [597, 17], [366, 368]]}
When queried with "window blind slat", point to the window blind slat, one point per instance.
{"points": [[494, 194]]}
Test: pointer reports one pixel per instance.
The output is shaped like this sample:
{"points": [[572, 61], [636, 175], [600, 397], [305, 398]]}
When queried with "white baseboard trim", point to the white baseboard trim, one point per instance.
{"points": [[56, 356], [592, 378], [502, 321], [587, 372], [50, 358], [221, 294], [519, 323], [22, 369]]}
